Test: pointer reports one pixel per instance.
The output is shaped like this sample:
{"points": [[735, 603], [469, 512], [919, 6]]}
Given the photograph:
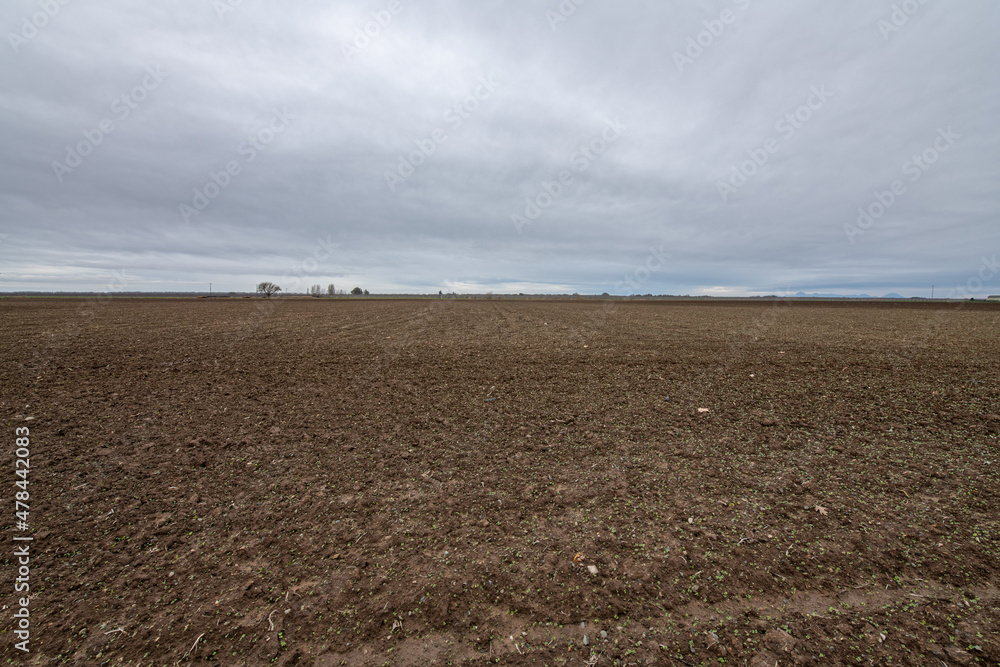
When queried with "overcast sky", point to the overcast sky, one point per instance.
{"points": [[716, 147]]}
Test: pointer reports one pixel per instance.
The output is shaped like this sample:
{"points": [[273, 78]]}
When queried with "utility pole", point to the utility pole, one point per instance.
{"points": [[932, 291], [210, 289]]}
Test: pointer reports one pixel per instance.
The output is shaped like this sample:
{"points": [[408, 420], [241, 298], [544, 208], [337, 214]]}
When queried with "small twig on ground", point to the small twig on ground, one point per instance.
{"points": [[115, 630], [270, 622], [193, 645]]}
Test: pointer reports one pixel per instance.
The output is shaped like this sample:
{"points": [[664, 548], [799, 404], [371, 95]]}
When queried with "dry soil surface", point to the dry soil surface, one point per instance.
{"points": [[367, 482]]}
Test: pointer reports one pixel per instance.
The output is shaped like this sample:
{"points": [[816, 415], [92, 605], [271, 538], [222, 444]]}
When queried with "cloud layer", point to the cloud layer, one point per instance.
{"points": [[750, 146]]}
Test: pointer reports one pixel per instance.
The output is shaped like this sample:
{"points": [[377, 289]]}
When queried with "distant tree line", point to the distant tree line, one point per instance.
{"points": [[269, 289]]}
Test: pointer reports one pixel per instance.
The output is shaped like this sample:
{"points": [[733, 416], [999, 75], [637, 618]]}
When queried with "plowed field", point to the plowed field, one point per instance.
{"points": [[366, 482]]}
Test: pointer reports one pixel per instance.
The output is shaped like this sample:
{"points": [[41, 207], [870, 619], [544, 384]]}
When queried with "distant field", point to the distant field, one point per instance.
{"points": [[422, 481]]}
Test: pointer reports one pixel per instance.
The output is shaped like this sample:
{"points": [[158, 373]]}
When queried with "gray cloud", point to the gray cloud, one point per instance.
{"points": [[716, 92]]}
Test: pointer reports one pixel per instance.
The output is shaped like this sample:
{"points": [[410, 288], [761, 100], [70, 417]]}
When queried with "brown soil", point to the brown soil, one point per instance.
{"points": [[326, 482]]}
